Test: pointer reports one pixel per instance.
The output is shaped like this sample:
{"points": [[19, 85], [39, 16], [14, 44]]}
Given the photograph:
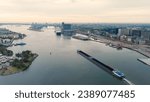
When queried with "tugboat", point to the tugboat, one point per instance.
{"points": [[118, 74]]}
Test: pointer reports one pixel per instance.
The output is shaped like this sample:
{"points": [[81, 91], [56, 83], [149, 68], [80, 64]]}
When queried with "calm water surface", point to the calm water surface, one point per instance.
{"points": [[65, 66]]}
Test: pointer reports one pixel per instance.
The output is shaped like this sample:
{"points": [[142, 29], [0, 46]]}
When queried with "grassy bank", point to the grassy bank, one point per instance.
{"points": [[18, 65], [10, 70]]}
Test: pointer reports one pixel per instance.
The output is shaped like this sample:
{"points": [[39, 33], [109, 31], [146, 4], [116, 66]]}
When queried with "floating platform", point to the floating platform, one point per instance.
{"points": [[80, 37], [144, 60], [101, 65]]}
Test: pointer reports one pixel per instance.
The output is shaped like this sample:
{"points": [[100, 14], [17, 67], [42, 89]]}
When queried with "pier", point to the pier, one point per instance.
{"points": [[144, 60]]}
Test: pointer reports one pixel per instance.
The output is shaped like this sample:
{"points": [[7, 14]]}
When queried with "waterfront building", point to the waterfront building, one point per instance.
{"points": [[136, 33], [4, 65], [36, 26], [129, 38], [6, 42], [4, 31], [4, 59], [145, 35], [123, 31], [138, 41], [123, 38], [66, 29]]}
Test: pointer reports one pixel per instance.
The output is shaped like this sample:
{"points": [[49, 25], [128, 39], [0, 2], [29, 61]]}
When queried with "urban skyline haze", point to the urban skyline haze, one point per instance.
{"points": [[92, 11]]}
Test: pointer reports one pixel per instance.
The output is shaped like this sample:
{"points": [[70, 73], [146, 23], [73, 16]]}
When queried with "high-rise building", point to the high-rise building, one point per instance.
{"points": [[67, 29], [136, 33], [145, 35], [123, 31]]}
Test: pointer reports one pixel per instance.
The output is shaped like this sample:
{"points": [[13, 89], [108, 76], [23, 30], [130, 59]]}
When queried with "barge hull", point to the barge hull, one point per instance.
{"points": [[96, 62], [101, 65]]}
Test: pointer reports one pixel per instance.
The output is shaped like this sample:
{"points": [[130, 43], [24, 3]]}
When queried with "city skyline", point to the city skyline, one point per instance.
{"points": [[91, 11]]}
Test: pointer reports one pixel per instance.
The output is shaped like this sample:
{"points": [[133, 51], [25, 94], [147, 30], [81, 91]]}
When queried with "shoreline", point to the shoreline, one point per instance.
{"points": [[13, 70], [136, 50], [148, 56], [141, 49], [37, 30]]}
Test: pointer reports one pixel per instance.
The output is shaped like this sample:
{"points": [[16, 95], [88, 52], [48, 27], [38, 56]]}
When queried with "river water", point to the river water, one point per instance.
{"points": [[65, 67]]}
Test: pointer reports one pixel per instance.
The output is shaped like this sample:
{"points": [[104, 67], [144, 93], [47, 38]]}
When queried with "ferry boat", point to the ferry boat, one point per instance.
{"points": [[21, 44], [58, 33]]}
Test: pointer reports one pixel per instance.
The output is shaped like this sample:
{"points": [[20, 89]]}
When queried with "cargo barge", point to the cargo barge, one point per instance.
{"points": [[103, 66]]}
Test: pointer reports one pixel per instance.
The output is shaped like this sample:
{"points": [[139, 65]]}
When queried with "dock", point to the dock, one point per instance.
{"points": [[144, 60], [79, 37]]}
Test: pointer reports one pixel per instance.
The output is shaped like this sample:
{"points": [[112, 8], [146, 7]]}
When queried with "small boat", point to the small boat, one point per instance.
{"points": [[21, 44]]}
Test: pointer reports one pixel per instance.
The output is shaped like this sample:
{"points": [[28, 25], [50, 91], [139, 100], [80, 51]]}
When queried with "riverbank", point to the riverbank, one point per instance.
{"points": [[18, 65], [142, 49], [9, 70], [38, 30]]}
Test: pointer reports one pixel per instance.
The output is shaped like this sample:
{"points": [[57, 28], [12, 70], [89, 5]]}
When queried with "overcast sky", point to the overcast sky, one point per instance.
{"points": [[105, 11]]}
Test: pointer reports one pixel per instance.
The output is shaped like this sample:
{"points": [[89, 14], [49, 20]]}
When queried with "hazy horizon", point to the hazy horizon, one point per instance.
{"points": [[75, 11]]}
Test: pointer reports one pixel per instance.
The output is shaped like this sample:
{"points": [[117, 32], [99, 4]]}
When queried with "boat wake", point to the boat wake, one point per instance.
{"points": [[127, 81]]}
